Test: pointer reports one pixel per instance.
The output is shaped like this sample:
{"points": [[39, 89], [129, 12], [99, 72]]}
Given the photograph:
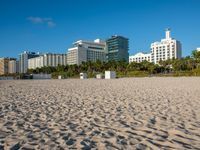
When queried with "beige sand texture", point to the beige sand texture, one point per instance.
{"points": [[129, 113]]}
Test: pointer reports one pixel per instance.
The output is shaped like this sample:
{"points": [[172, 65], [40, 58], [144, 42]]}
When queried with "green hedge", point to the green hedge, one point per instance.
{"points": [[132, 74]]}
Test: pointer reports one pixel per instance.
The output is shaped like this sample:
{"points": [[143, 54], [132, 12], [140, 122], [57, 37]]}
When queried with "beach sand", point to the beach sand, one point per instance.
{"points": [[129, 113]]}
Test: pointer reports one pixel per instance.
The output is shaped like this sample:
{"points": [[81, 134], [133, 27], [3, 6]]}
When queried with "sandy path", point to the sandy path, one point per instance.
{"points": [[132, 113]]}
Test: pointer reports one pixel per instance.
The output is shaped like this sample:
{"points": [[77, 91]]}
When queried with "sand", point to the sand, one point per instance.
{"points": [[129, 113]]}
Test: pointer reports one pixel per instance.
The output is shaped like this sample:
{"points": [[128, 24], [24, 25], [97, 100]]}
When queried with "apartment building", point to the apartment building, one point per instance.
{"points": [[47, 59], [13, 66], [140, 57], [23, 60], [4, 65], [167, 48], [117, 48], [8, 65], [84, 51]]}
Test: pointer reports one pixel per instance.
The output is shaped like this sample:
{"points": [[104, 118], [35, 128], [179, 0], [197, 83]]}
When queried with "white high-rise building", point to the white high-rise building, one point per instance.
{"points": [[48, 59], [167, 48], [198, 49], [36, 62], [23, 60], [140, 57], [86, 51], [76, 55]]}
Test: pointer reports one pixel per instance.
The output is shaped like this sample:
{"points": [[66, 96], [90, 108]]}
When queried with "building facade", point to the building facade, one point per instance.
{"points": [[140, 57], [76, 55], [23, 60], [8, 65], [13, 66], [167, 48], [84, 51], [48, 59], [4, 65], [117, 48]]}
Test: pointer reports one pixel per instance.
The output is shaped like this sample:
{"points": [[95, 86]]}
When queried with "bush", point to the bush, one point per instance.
{"points": [[196, 72], [133, 74]]}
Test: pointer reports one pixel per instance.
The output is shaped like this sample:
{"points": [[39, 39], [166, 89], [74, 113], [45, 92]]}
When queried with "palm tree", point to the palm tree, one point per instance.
{"points": [[196, 56], [60, 68], [98, 66]]}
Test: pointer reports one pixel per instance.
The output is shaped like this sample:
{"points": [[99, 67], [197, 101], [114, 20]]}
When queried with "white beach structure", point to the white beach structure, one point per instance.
{"points": [[99, 76], [83, 75], [59, 77], [110, 74]]}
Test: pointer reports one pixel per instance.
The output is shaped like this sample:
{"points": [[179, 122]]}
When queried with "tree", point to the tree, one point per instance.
{"points": [[60, 68], [98, 66], [196, 55], [133, 66]]}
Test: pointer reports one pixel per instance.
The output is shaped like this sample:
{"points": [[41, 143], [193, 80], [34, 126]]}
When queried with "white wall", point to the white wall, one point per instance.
{"points": [[110, 74], [140, 57]]}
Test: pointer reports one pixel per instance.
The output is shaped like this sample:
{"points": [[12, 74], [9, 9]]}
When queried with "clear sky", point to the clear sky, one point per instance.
{"points": [[53, 25]]}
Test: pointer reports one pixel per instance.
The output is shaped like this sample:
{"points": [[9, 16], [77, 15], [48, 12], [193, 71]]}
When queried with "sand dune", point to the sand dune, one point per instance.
{"points": [[129, 113]]}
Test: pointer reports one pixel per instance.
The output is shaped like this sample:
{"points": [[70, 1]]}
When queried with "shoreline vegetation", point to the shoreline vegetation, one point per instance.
{"points": [[188, 66]]}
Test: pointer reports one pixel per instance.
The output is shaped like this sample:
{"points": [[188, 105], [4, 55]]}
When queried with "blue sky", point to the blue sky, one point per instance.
{"points": [[53, 25]]}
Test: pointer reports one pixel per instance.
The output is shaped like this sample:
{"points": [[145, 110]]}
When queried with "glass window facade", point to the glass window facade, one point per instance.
{"points": [[117, 48]]}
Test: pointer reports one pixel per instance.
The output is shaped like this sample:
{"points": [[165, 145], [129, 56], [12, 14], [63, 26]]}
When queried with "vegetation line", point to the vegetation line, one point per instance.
{"points": [[188, 66]]}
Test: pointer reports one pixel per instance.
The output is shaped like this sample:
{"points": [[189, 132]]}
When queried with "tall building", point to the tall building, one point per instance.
{"points": [[48, 59], [140, 57], [13, 66], [117, 48], [76, 55], [167, 48], [23, 60], [5, 66], [84, 51]]}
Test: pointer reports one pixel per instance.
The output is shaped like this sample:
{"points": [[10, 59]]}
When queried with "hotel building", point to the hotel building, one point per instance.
{"points": [[7, 65], [13, 66], [167, 48], [23, 60], [140, 57], [48, 59], [117, 48], [84, 51], [4, 65]]}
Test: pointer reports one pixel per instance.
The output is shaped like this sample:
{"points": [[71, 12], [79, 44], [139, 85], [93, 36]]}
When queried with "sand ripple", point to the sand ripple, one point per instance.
{"points": [[134, 113]]}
